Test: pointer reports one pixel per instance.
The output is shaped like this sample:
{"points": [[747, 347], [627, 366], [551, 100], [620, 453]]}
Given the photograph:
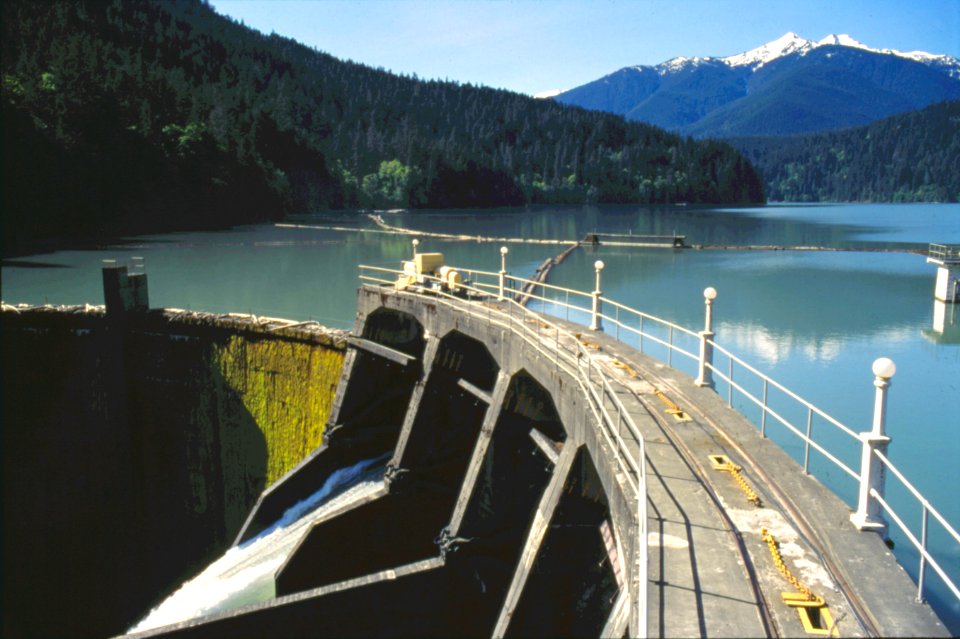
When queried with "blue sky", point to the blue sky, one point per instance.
{"points": [[531, 46]]}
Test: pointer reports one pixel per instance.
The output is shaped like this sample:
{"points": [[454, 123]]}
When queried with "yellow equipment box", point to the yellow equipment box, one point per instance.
{"points": [[428, 263]]}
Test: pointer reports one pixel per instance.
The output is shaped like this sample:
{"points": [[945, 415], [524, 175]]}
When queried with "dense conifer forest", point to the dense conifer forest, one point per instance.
{"points": [[130, 116], [914, 157]]}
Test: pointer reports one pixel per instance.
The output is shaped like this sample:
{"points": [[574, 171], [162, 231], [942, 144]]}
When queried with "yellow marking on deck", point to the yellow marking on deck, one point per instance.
{"points": [[672, 408], [722, 462], [813, 611], [624, 367], [587, 343]]}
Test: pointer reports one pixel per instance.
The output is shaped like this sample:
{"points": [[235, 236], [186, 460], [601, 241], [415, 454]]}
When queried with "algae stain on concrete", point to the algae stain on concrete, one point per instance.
{"points": [[287, 387]]}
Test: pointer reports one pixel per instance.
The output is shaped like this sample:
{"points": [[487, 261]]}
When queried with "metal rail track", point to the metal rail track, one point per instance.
{"points": [[770, 626], [781, 501]]}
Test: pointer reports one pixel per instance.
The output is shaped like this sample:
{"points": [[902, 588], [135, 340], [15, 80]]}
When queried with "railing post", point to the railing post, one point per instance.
{"points": [[763, 414], [503, 270], [670, 347], [705, 374], [596, 323], [923, 558], [869, 515]]}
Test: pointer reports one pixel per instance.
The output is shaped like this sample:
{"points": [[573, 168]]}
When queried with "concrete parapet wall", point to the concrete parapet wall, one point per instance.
{"points": [[132, 453]]}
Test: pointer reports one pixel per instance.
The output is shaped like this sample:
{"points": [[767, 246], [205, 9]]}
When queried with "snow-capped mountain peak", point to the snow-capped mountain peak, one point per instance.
{"points": [[786, 87], [786, 44], [946, 63], [842, 40], [790, 43]]}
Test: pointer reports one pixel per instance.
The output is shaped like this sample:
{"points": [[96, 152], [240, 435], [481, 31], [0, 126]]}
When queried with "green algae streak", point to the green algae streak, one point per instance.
{"points": [[288, 389]]}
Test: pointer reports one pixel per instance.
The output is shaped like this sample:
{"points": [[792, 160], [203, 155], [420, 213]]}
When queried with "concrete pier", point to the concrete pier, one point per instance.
{"points": [[504, 509]]}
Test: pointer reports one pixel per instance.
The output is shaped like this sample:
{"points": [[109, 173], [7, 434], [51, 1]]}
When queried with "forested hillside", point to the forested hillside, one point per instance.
{"points": [[129, 116], [914, 157]]}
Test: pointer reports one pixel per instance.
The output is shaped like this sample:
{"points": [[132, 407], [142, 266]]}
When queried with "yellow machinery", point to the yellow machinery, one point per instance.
{"points": [[429, 265]]}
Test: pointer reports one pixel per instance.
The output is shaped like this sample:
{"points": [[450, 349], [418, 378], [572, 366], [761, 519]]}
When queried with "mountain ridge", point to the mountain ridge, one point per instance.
{"points": [[708, 96]]}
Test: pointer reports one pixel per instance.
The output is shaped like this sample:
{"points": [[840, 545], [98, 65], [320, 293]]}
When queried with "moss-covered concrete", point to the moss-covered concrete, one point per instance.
{"points": [[134, 450], [287, 387]]}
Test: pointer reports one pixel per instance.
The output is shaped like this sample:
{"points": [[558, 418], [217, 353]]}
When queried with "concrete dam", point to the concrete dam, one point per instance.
{"points": [[457, 465]]}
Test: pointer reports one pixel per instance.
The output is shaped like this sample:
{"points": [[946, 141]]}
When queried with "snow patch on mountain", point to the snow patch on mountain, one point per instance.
{"points": [[551, 93], [676, 64]]}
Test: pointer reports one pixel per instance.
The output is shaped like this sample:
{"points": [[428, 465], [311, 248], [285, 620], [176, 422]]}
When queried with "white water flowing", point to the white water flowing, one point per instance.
{"points": [[245, 573]]}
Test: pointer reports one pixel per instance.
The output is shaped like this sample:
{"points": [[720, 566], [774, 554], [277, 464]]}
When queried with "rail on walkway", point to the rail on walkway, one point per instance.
{"points": [[944, 253], [693, 352], [569, 354]]}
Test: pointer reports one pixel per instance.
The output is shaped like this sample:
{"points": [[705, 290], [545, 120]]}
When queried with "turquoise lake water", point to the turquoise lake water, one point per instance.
{"points": [[814, 321]]}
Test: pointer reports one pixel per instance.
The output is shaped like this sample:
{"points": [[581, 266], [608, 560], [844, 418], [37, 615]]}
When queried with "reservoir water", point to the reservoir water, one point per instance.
{"points": [[812, 320]]}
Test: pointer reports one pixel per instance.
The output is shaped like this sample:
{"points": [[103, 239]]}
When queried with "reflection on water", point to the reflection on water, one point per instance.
{"points": [[814, 321], [946, 323]]}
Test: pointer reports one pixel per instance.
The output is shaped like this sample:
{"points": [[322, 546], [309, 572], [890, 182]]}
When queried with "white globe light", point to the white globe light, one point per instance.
{"points": [[503, 250], [710, 293], [884, 367], [416, 242], [598, 265]]}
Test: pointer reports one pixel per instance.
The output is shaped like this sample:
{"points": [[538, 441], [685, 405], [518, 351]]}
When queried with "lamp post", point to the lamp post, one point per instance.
{"points": [[503, 270], [415, 243], [869, 515], [705, 376], [595, 322]]}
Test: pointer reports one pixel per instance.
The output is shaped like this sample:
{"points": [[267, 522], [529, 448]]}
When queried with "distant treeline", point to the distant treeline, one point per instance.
{"points": [[914, 157], [127, 116]]}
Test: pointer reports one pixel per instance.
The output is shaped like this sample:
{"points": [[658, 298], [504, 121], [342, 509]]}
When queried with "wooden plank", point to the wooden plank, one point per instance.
{"points": [[380, 350]]}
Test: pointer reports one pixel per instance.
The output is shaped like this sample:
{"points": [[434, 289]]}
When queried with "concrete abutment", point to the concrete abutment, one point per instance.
{"points": [[133, 450]]}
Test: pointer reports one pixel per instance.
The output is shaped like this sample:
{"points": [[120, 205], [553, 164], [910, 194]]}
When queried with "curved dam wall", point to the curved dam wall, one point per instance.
{"points": [[500, 512], [134, 447]]}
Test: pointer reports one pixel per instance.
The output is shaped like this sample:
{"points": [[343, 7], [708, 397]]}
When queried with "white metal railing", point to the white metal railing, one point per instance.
{"points": [[875, 465], [944, 252], [566, 351], [647, 329], [809, 409]]}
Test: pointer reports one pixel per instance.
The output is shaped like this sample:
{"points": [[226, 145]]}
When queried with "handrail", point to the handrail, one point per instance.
{"points": [[921, 545], [927, 508], [489, 283], [570, 355], [944, 252]]}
